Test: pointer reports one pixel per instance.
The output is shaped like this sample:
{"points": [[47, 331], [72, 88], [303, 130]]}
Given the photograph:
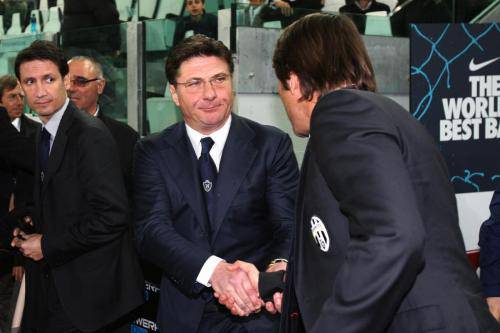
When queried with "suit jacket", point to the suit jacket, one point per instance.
{"points": [[489, 242], [253, 212], [126, 138], [82, 214], [17, 152], [377, 246]]}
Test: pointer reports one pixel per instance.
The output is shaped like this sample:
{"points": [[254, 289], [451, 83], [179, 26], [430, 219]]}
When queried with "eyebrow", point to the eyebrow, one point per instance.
{"points": [[211, 77]]}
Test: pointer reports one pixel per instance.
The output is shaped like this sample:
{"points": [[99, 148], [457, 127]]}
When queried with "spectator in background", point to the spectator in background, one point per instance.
{"points": [[364, 6], [16, 192], [90, 14], [292, 10], [489, 260], [87, 84], [198, 22]]}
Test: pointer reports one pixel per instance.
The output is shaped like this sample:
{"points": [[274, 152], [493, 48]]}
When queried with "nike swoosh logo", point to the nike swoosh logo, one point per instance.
{"points": [[475, 67]]}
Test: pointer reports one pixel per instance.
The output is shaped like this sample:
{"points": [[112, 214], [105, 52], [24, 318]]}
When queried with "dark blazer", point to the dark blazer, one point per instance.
{"points": [[17, 152], [253, 216], [489, 242], [83, 217], [126, 138], [377, 246]]}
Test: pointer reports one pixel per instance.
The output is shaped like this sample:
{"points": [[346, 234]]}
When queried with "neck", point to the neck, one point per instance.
{"points": [[92, 111]]}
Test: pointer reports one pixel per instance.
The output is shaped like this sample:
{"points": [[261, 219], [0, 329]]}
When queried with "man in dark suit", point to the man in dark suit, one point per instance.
{"points": [[208, 191], [197, 22], [489, 260], [16, 193], [87, 84], [377, 246], [82, 272]]}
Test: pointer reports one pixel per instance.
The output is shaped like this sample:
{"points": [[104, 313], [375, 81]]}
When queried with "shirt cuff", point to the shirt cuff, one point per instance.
{"points": [[207, 270]]}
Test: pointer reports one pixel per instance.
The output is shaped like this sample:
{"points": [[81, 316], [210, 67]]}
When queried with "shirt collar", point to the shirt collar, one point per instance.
{"points": [[219, 137], [53, 124], [17, 124]]}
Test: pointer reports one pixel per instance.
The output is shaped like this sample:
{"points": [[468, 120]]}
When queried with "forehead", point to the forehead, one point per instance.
{"points": [[80, 67], [203, 67], [36, 68], [193, 2], [16, 89]]}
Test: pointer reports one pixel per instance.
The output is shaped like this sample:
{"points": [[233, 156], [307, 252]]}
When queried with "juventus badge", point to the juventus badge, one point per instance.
{"points": [[207, 185], [320, 234]]}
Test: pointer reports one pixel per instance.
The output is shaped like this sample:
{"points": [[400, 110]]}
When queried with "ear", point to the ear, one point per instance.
{"points": [[66, 82], [173, 93], [101, 84], [294, 86]]}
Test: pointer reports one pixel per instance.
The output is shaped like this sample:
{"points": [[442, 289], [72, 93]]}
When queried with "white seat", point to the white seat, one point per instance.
{"points": [[272, 24], [15, 27], [44, 10], [161, 113], [54, 23], [168, 7], [35, 12], [124, 8], [378, 25], [60, 4], [147, 8], [2, 32]]}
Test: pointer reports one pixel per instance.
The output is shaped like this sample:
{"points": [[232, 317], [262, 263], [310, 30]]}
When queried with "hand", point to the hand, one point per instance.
{"points": [[234, 289], [29, 245], [275, 306], [494, 305], [17, 273]]}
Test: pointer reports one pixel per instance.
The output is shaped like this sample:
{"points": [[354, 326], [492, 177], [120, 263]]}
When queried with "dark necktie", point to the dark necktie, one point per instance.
{"points": [[208, 175], [43, 152]]}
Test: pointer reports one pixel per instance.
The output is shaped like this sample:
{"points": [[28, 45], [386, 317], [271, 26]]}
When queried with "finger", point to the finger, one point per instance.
{"points": [[28, 220], [278, 299], [16, 232], [270, 307], [245, 292], [16, 242]]}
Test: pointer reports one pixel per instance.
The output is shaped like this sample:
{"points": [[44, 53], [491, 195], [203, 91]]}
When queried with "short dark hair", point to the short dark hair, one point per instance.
{"points": [[7, 82], [325, 52], [195, 46], [42, 50]]}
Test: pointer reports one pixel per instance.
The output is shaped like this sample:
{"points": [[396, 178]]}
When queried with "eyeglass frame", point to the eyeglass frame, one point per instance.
{"points": [[83, 82], [227, 77]]}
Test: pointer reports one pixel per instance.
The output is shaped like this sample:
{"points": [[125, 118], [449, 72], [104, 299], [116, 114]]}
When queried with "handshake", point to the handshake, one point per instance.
{"points": [[237, 287]]}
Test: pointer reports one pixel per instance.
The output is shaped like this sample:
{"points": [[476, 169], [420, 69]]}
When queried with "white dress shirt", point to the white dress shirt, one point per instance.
{"points": [[17, 124], [219, 137]]}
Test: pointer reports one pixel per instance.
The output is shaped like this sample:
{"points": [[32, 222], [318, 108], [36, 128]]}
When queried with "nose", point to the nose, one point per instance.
{"points": [[209, 91], [40, 90]]}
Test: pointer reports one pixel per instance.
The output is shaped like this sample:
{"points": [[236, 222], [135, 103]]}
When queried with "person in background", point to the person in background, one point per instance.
{"points": [[86, 86], [197, 22], [489, 258], [364, 6]]}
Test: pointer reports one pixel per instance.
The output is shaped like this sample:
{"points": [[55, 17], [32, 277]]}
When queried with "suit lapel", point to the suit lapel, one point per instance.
{"points": [[238, 156], [59, 145], [185, 170]]}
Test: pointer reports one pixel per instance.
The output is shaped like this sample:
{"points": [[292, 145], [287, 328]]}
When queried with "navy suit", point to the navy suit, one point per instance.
{"points": [[377, 245], [253, 213], [489, 242]]}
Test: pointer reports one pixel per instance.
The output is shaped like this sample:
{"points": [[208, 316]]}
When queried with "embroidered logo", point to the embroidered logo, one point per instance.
{"points": [[320, 234], [207, 185]]}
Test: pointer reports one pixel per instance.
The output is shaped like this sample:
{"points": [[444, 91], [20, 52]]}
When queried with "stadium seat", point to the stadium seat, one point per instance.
{"points": [[161, 113], [15, 28], [54, 23]]}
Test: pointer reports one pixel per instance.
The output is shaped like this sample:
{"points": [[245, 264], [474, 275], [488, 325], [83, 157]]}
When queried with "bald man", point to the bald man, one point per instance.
{"points": [[87, 84]]}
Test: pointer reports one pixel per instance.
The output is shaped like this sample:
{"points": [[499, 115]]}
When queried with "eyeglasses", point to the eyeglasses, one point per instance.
{"points": [[197, 85], [82, 82]]}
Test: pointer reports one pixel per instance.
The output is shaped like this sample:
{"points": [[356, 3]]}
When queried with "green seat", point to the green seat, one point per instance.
{"points": [[378, 26], [161, 113]]}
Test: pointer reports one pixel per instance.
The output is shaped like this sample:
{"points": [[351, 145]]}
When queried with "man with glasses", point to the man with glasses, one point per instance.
{"points": [[210, 190], [87, 84]]}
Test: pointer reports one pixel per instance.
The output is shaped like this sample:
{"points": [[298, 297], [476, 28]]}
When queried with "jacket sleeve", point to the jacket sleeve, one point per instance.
{"points": [[489, 243], [281, 191], [156, 238], [359, 154]]}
